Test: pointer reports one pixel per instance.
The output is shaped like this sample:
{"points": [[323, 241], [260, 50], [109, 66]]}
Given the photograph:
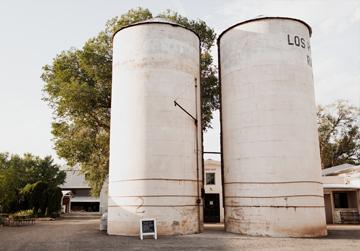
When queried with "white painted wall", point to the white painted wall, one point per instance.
{"points": [[270, 143], [214, 166]]}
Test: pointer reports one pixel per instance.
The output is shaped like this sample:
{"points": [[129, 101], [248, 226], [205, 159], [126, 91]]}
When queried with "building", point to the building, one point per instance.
{"points": [[213, 204], [76, 193], [341, 185], [341, 191]]}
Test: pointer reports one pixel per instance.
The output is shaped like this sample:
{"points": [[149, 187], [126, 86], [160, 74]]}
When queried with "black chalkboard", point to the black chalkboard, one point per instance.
{"points": [[148, 226]]}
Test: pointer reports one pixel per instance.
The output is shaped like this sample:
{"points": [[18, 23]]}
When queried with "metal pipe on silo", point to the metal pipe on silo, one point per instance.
{"points": [[270, 149], [154, 165]]}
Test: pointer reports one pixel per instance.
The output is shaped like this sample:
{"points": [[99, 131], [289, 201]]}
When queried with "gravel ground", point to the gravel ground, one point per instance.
{"points": [[83, 234]]}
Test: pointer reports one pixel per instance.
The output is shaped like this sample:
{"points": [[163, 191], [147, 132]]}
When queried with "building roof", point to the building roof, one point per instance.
{"points": [[339, 169], [211, 161], [340, 186], [85, 199], [73, 178], [68, 168]]}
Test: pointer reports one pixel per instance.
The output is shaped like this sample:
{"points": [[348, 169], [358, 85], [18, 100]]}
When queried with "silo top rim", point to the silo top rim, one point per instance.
{"points": [[264, 17], [155, 20]]}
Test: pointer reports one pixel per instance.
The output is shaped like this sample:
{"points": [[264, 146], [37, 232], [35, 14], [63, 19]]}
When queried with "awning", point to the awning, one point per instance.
{"points": [[340, 186], [85, 199], [65, 192]]}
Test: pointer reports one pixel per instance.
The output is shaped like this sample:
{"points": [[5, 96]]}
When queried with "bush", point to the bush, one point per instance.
{"points": [[22, 212], [43, 198]]}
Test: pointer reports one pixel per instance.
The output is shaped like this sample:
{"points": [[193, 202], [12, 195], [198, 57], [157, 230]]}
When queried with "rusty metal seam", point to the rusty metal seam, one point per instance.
{"points": [[280, 196], [277, 182], [136, 196], [276, 206], [152, 179], [154, 205]]}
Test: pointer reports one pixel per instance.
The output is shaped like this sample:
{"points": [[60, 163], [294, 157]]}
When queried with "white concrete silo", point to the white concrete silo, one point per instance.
{"points": [[155, 147], [271, 163]]}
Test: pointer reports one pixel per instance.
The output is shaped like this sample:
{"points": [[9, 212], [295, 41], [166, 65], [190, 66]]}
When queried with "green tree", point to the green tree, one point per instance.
{"points": [[78, 89], [339, 135], [18, 172], [9, 180]]}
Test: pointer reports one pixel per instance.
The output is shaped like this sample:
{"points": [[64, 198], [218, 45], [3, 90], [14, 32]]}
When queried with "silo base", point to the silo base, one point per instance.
{"points": [[276, 221], [169, 221]]}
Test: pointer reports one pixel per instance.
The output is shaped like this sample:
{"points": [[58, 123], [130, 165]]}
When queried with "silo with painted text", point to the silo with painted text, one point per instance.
{"points": [[270, 148]]}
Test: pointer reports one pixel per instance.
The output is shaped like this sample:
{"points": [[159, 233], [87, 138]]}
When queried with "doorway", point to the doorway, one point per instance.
{"points": [[328, 209], [212, 208]]}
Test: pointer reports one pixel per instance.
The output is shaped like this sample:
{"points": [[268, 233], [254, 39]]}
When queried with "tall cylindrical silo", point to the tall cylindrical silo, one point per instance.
{"points": [[271, 163], [155, 146]]}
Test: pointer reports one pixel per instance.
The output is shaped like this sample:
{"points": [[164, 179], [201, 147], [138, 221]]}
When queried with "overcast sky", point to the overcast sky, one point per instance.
{"points": [[33, 32]]}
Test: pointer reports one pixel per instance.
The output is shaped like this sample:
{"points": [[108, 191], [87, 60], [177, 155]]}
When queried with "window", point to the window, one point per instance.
{"points": [[210, 178], [340, 200]]}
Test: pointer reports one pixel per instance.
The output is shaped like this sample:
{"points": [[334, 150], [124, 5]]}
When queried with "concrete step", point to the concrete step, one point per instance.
{"points": [[81, 216]]}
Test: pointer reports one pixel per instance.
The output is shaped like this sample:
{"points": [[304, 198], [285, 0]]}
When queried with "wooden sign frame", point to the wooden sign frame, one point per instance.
{"points": [[143, 232]]}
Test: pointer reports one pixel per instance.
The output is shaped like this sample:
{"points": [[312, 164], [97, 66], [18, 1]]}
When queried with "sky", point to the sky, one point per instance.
{"points": [[34, 32]]}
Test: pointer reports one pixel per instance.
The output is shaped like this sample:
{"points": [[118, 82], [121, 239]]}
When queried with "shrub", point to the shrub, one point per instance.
{"points": [[22, 212], [47, 212]]}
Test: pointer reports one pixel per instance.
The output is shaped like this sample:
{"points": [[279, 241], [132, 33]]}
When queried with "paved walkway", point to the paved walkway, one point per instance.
{"points": [[84, 234]]}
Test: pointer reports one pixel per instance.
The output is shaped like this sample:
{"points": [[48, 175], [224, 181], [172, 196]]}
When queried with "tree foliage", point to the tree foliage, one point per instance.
{"points": [[41, 195], [18, 172], [78, 89], [339, 134]]}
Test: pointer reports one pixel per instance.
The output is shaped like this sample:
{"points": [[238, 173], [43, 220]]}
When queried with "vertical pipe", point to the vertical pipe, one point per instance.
{"points": [[197, 155]]}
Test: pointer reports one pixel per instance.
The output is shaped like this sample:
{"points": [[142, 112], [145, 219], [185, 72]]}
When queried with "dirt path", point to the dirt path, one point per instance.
{"points": [[85, 235]]}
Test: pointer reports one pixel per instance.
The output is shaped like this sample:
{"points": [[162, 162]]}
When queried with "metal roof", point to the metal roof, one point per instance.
{"points": [[84, 199], [340, 186], [73, 178], [339, 169], [261, 17], [155, 20]]}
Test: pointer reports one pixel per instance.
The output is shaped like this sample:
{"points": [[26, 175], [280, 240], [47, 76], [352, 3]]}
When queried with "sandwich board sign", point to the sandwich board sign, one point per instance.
{"points": [[148, 227]]}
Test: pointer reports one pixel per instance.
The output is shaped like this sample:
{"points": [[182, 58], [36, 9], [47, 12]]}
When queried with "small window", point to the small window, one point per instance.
{"points": [[210, 178], [340, 200]]}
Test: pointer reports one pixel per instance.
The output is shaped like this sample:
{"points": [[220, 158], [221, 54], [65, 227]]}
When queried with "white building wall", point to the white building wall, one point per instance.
{"points": [[213, 166]]}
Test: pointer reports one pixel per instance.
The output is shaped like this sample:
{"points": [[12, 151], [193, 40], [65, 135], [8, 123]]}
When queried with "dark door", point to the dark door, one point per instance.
{"points": [[212, 208]]}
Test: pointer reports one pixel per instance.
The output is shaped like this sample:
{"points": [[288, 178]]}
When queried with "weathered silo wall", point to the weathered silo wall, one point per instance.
{"points": [[154, 149], [272, 174]]}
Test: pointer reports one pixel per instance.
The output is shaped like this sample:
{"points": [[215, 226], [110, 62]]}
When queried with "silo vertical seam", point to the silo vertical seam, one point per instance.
{"points": [[221, 132]]}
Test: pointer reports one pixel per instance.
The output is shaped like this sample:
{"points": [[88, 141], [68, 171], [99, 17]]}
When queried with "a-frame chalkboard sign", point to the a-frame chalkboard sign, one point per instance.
{"points": [[148, 227]]}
